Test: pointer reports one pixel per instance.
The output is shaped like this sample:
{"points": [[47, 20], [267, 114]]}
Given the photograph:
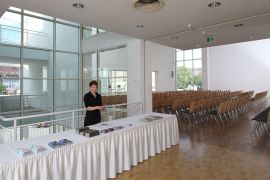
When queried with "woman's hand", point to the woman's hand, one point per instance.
{"points": [[89, 108], [101, 107]]}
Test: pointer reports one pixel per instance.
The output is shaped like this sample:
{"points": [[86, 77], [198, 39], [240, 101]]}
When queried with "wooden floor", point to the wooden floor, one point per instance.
{"points": [[209, 153]]}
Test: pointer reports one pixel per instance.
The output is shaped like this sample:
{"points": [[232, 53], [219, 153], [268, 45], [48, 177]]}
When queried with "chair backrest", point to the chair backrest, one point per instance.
{"points": [[192, 107], [220, 108]]}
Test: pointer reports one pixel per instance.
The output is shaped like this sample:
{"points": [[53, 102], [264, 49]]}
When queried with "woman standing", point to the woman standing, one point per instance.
{"points": [[93, 104]]}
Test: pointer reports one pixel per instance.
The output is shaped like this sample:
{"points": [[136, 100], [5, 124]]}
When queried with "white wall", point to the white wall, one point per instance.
{"points": [[162, 60], [116, 59], [242, 66], [103, 41]]}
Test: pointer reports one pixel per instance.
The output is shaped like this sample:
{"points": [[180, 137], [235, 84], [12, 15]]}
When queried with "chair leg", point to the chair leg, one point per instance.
{"points": [[266, 129], [215, 117], [221, 119]]}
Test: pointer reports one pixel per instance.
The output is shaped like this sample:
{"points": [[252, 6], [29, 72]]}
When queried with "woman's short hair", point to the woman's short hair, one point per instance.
{"points": [[93, 83]]}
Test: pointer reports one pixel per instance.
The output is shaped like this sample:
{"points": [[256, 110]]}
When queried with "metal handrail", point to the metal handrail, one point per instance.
{"points": [[14, 119], [60, 112]]}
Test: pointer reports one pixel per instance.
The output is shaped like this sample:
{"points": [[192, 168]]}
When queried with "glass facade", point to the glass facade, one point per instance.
{"points": [[39, 63], [189, 69], [42, 68]]}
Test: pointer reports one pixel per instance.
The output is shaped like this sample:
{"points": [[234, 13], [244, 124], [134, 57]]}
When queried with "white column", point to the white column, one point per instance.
{"points": [[135, 73], [205, 69]]}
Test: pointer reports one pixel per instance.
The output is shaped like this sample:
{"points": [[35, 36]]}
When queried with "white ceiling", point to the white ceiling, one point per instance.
{"points": [[119, 16]]}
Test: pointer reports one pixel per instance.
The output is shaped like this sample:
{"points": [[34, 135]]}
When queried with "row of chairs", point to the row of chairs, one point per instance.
{"points": [[111, 100], [184, 100], [201, 93], [221, 110], [196, 110]]}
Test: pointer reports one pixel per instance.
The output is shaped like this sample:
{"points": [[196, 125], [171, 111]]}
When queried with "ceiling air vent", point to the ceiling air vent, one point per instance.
{"points": [[149, 5]]}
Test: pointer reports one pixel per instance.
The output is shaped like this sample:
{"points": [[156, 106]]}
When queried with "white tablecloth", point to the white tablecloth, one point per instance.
{"points": [[96, 158]]}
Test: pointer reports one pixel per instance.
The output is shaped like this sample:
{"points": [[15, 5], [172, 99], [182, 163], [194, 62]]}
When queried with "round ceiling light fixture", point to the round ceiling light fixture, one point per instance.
{"points": [[214, 4], [149, 5], [78, 5]]}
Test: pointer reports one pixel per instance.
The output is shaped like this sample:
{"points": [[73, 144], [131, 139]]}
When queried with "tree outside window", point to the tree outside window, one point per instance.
{"points": [[189, 69]]}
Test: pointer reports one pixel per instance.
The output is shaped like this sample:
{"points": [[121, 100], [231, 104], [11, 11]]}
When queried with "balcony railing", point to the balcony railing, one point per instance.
{"points": [[25, 127]]}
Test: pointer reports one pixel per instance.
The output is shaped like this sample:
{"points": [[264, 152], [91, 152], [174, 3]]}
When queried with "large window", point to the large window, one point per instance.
{"points": [[42, 68], [189, 69], [39, 63]]}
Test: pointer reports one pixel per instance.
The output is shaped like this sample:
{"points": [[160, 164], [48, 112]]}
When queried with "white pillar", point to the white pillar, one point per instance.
{"points": [[135, 73]]}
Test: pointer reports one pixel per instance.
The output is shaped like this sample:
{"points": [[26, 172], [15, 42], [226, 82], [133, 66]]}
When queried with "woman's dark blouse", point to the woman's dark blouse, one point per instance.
{"points": [[92, 117]]}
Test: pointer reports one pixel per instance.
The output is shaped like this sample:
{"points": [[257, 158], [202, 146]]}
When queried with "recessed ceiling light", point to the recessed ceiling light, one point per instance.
{"points": [[140, 26], [203, 32], [214, 4], [78, 5], [238, 25]]}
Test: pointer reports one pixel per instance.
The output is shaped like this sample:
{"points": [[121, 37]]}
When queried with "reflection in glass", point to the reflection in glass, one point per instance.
{"points": [[86, 85], [90, 66], [9, 79], [37, 94], [67, 38], [38, 33], [37, 64], [10, 26], [66, 93], [66, 65], [9, 71]]}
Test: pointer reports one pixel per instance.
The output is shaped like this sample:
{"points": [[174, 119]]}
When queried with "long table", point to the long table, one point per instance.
{"points": [[96, 158]]}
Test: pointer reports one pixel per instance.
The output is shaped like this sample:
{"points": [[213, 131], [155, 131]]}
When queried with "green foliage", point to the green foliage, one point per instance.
{"points": [[2, 88], [198, 81], [184, 78]]}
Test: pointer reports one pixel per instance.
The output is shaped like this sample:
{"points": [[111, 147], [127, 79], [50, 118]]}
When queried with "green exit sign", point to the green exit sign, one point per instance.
{"points": [[209, 39]]}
